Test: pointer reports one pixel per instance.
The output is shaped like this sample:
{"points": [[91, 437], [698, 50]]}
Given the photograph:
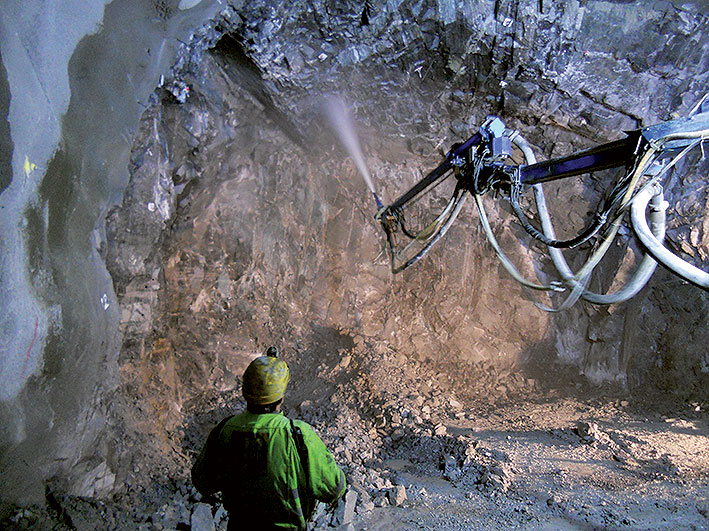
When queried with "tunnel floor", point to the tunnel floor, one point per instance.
{"points": [[420, 456]]}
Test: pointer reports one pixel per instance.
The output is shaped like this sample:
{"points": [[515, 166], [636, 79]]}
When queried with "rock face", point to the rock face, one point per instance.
{"points": [[243, 225], [291, 225]]}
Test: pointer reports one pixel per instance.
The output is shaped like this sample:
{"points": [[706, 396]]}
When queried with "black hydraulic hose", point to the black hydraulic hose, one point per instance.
{"points": [[401, 220], [457, 199], [601, 157], [586, 235]]}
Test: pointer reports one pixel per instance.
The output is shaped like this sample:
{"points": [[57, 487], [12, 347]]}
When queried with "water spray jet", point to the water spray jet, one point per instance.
{"points": [[342, 123]]}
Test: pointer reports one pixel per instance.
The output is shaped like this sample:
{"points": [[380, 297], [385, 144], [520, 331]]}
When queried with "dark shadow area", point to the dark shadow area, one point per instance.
{"points": [[246, 76], [5, 140]]}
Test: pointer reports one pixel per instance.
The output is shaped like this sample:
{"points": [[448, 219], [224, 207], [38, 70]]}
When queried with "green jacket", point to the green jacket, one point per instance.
{"points": [[254, 461]]}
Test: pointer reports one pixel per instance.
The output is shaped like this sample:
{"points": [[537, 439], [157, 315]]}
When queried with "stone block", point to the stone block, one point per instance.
{"points": [[201, 519]]}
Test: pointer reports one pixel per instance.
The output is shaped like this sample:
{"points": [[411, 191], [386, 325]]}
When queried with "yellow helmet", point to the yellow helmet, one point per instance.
{"points": [[265, 380]]}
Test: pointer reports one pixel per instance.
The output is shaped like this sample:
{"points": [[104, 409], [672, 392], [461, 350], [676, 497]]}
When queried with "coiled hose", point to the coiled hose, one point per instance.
{"points": [[579, 281], [653, 243]]}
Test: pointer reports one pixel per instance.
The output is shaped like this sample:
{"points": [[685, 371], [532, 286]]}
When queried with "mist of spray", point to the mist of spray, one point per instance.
{"points": [[343, 125]]}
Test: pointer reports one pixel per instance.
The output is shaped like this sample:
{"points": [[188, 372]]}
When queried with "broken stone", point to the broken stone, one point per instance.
{"points": [[439, 430], [397, 435], [344, 513], [375, 480], [494, 481], [98, 482], [201, 519], [381, 500], [554, 501], [304, 407], [224, 285], [588, 431], [451, 470], [365, 506], [81, 513], [395, 419], [364, 501], [170, 515], [221, 518], [397, 495], [319, 517]]}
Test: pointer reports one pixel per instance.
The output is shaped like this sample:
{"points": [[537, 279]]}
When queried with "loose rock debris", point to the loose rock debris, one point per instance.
{"points": [[536, 463]]}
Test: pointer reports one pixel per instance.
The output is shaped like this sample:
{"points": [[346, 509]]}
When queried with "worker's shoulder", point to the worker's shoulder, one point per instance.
{"points": [[306, 429], [248, 421], [301, 424]]}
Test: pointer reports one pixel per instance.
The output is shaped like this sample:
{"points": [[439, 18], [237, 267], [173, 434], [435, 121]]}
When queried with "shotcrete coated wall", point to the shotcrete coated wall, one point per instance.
{"points": [[78, 76]]}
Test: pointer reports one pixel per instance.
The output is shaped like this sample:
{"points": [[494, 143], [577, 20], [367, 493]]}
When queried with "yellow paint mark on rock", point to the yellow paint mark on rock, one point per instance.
{"points": [[28, 167]]}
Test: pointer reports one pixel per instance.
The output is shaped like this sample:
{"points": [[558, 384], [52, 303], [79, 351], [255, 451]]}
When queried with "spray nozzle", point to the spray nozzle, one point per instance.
{"points": [[378, 201]]}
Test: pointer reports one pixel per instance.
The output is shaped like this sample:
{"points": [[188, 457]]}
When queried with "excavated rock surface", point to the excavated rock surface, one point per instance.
{"points": [[449, 398], [421, 77]]}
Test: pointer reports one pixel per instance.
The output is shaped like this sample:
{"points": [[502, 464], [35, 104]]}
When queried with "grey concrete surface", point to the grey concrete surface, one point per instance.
{"points": [[78, 76]]}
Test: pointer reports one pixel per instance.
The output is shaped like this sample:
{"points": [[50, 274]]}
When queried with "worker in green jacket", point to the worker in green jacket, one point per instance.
{"points": [[270, 470]]}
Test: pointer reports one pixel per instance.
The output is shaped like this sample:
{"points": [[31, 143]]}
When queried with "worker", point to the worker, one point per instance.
{"points": [[270, 470]]}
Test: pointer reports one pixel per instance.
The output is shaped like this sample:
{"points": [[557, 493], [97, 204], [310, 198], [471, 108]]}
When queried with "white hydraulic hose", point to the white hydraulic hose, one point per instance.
{"points": [[506, 263], [557, 257], [583, 275], [580, 280], [682, 268], [648, 264]]}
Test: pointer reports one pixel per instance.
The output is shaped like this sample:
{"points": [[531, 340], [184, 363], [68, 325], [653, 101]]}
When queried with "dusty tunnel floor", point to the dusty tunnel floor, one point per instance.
{"points": [[258, 238]]}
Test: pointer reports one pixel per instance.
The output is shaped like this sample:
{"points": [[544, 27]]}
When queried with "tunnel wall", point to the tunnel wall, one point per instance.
{"points": [[275, 240], [79, 77], [422, 75]]}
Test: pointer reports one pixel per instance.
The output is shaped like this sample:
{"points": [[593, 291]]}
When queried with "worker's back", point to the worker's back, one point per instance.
{"points": [[269, 469], [254, 462]]}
